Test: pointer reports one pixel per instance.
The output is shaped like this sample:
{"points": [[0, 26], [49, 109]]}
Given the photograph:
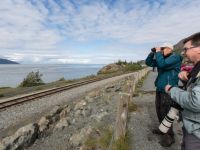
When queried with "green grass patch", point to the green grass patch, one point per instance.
{"points": [[122, 143], [140, 83], [99, 138], [103, 140], [132, 107], [1, 95]]}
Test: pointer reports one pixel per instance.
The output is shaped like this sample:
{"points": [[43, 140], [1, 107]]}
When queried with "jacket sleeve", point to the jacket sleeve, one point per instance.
{"points": [[167, 63], [187, 100], [150, 61]]}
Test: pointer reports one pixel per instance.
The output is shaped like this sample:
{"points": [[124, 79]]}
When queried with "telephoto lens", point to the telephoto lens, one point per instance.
{"points": [[168, 120]]}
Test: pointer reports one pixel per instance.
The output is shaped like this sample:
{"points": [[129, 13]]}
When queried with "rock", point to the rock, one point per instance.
{"points": [[98, 117], [94, 94], [80, 105], [43, 124], [62, 124], [86, 112], [53, 116], [73, 121], [2, 146], [113, 88], [110, 69], [89, 99], [64, 112], [117, 88], [23, 137], [79, 138], [56, 110], [77, 113]]}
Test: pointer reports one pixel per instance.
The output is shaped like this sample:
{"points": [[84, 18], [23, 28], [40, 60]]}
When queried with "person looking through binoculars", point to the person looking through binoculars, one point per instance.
{"points": [[168, 66]]}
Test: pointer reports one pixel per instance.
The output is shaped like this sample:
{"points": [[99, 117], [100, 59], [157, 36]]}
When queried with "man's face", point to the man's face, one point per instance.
{"points": [[192, 52]]}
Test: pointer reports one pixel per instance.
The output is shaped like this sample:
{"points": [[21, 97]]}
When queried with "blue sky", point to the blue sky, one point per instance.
{"points": [[92, 31]]}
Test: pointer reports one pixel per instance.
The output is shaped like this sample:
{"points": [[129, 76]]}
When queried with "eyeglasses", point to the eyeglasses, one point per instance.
{"points": [[186, 49]]}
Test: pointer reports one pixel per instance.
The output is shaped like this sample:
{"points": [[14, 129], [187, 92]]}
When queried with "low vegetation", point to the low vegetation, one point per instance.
{"points": [[132, 106], [1, 95], [103, 138], [129, 66], [32, 79]]}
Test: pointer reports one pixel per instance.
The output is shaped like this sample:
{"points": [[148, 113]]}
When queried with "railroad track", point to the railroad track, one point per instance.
{"points": [[19, 100]]}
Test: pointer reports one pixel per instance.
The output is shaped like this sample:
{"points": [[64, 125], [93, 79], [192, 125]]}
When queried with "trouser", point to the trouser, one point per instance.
{"points": [[162, 103], [190, 142]]}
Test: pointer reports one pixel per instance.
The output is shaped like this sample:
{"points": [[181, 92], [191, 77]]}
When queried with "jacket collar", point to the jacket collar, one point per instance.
{"points": [[194, 74]]}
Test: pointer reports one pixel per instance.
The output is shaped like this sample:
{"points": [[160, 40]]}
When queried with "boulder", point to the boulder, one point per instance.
{"points": [[80, 105], [23, 137], [43, 124], [65, 111], [110, 69], [62, 124]]}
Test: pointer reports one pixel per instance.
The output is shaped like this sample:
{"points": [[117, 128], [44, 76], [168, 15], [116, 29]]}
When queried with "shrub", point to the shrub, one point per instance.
{"points": [[133, 67], [32, 79], [119, 62], [62, 79]]}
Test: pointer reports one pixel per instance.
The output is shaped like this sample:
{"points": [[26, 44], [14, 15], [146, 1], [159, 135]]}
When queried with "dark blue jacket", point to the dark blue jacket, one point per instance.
{"points": [[168, 68]]}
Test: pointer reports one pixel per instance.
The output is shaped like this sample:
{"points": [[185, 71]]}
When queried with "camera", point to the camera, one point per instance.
{"points": [[169, 118]]}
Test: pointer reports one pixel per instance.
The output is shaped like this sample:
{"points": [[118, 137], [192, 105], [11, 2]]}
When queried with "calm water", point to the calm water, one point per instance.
{"points": [[12, 75]]}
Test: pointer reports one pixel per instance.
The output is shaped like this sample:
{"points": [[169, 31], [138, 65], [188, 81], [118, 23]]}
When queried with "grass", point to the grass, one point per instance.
{"points": [[100, 139], [122, 143], [103, 140], [132, 107], [140, 83]]}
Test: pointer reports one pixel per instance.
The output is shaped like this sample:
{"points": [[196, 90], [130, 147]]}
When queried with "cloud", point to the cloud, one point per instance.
{"points": [[49, 26], [22, 27]]}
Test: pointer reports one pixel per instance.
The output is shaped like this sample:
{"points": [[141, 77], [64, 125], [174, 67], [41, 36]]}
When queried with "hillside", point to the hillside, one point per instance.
{"points": [[179, 46], [6, 61]]}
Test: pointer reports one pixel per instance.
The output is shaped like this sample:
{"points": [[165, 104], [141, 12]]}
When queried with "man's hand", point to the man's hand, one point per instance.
{"points": [[183, 75], [158, 49], [167, 87]]}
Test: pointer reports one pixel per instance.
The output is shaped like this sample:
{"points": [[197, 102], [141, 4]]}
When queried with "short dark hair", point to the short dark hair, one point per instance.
{"points": [[195, 39]]}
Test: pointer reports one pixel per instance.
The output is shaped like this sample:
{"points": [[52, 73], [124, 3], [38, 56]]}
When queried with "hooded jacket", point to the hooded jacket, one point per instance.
{"points": [[189, 100], [168, 68]]}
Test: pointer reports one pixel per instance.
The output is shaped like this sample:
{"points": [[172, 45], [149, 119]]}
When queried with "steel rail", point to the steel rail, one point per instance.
{"points": [[23, 99]]}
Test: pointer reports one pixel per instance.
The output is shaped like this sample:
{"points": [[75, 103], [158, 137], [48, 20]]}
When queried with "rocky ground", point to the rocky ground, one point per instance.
{"points": [[143, 120]]}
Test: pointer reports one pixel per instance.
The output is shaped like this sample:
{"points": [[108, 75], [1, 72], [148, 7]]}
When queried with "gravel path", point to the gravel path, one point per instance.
{"points": [[16, 116], [144, 120]]}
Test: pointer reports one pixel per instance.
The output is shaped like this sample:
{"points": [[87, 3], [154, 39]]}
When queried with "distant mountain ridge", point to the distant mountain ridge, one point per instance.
{"points": [[179, 46], [6, 61]]}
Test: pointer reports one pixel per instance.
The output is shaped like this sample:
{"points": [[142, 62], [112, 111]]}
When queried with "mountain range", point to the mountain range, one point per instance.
{"points": [[6, 61]]}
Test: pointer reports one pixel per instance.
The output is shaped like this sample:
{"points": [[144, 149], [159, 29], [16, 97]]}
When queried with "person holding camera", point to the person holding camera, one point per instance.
{"points": [[189, 99], [168, 66]]}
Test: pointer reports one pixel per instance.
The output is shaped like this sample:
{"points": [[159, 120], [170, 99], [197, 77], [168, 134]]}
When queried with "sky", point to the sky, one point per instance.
{"points": [[92, 31]]}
